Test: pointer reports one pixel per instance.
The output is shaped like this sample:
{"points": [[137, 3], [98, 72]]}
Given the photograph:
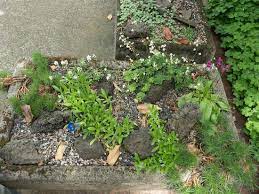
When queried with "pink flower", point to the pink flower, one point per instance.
{"points": [[209, 64], [219, 62]]}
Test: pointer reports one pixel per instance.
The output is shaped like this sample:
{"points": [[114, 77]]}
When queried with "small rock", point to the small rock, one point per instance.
{"points": [[139, 30], [156, 92], [107, 86], [184, 120], [162, 5], [50, 121], [22, 151], [139, 142], [187, 13], [87, 151]]}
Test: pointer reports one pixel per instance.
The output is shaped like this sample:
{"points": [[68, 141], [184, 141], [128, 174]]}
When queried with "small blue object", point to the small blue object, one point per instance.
{"points": [[71, 127]]}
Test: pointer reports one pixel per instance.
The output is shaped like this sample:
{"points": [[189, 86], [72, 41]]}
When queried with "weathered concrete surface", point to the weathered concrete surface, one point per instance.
{"points": [[89, 178], [56, 28]]}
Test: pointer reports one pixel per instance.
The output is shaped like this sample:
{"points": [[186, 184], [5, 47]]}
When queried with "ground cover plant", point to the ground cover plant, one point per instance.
{"points": [[236, 23], [92, 110], [169, 154], [154, 16], [156, 70], [232, 164], [37, 95]]}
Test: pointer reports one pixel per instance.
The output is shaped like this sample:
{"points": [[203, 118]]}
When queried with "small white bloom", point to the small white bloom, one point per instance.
{"points": [[65, 62], [194, 49], [79, 69], [199, 54], [89, 58], [69, 72], [75, 77], [108, 76], [56, 63]]}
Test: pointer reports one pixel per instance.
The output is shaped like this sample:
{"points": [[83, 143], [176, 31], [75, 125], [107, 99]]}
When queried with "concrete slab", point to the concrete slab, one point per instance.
{"points": [[56, 28]]}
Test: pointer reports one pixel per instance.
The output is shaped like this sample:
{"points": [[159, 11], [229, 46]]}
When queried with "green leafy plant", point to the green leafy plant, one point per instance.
{"points": [[154, 71], [237, 24], [215, 182], [232, 158], [40, 76], [93, 111], [210, 104], [147, 12], [168, 151], [144, 11]]}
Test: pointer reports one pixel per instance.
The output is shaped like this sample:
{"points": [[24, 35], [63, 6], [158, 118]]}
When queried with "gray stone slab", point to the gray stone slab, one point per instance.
{"points": [[56, 28], [86, 178]]}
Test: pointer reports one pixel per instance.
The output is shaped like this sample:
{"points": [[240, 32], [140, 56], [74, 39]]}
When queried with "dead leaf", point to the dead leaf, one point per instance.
{"points": [[40, 163], [53, 67], [7, 81], [184, 41], [60, 151], [143, 121], [246, 167], [143, 108], [193, 149], [109, 17], [167, 34], [116, 87], [23, 89], [193, 179], [113, 155], [26, 110], [43, 89], [207, 159]]}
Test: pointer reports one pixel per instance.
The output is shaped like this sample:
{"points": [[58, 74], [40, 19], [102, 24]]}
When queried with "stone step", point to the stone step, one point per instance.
{"points": [[56, 28]]}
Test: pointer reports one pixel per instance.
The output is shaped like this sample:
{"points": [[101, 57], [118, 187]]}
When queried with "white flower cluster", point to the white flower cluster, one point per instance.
{"points": [[163, 47], [89, 58], [65, 62], [152, 48], [174, 59], [185, 60], [125, 40]]}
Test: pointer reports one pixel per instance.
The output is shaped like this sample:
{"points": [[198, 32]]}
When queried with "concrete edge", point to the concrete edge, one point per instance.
{"points": [[92, 178], [219, 89]]}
